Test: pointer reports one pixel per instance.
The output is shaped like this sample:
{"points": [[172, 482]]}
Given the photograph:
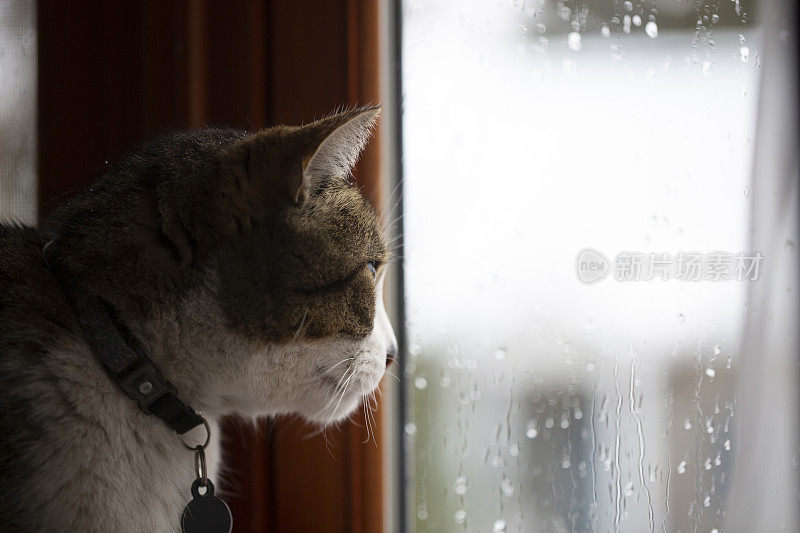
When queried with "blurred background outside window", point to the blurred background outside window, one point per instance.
{"points": [[545, 395]]}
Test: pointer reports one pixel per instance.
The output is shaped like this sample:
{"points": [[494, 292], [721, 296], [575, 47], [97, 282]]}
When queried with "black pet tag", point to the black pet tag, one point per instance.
{"points": [[206, 513]]}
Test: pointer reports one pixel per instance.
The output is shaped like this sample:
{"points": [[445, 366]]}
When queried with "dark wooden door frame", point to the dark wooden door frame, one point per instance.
{"points": [[114, 73]]}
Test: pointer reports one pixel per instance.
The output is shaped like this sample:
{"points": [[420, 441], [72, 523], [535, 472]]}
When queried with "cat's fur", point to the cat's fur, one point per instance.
{"points": [[239, 262]]}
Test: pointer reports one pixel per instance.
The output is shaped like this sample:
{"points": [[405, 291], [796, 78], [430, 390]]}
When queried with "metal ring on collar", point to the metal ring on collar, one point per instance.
{"points": [[208, 437]]}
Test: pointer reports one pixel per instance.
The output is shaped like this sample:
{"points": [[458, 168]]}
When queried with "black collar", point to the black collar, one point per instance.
{"points": [[118, 352]]}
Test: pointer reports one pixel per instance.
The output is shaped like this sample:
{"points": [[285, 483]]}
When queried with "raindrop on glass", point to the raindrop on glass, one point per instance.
{"points": [[744, 53], [682, 467], [507, 488], [460, 486], [687, 424], [460, 516], [710, 372], [651, 29], [637, 20], [605, 31], [629, 489], [499, 525]]}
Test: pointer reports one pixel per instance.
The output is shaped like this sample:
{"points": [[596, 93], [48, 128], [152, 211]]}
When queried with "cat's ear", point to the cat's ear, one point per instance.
{"points": [[334, 145]]}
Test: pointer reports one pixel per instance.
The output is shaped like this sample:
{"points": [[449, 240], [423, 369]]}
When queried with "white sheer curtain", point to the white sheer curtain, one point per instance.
{"points": [[765, 479], [18, 111]]}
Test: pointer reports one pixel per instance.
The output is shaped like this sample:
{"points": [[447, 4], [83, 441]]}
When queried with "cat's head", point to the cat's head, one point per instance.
{"points": [[253, 263]]}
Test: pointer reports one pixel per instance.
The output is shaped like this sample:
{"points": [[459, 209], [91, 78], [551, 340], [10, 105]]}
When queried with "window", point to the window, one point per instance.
{"points": [[578, 181]]}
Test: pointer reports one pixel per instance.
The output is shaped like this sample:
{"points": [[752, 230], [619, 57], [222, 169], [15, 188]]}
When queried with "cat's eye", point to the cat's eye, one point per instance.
{"points": [[373, 268]]}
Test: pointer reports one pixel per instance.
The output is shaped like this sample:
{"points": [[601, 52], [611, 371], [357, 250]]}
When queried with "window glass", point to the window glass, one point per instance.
{"points": [[577, 191]]}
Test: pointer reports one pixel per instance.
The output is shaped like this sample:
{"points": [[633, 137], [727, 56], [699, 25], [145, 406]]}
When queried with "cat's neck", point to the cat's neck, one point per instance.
{"points": [[108, 448]]}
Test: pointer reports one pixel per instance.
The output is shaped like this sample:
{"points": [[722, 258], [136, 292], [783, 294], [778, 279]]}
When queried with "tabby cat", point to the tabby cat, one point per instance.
{"points": [[248, 269]]}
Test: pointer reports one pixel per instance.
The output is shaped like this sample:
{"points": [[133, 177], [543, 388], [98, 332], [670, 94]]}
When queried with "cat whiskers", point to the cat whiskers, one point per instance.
{"points": [[300, 327], [389, 372], [340, 362]]}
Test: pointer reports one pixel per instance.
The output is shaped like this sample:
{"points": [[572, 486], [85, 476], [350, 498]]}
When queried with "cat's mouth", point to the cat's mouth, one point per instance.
{"points": [[356, 382]]}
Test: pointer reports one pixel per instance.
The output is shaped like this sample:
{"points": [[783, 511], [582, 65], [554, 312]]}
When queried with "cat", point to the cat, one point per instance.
{"points": [[249, 270]]}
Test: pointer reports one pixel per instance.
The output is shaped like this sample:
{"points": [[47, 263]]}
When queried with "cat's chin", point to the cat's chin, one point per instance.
{"points": [[355, 387]]}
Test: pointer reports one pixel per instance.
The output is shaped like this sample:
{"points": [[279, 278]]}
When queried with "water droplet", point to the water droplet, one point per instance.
{"points": [[460, 486], [707, 464], [682, 467], [422, 514], [717, 460], [421, 383], [578, 414], [710, 372], [628, 5], [715, 530], [549, 422], [637, 20], [629, 489], [574, 41], [681, 318], [707, 501], [499, 525], [460, 516], [564, 422], [744, 53], [727, 444], [411, 428], [541, 28], [651, 29], [589, 366], [507, 488], [521, 29], [500, 354], [605, 31], [714, 18], [444, 382], [565, 463], [513, 450], [706, 67], [717, 350], [687, 424]]}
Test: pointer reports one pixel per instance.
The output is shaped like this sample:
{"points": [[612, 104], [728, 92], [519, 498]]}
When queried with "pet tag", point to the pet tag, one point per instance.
{"points": [[206, 513]]}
